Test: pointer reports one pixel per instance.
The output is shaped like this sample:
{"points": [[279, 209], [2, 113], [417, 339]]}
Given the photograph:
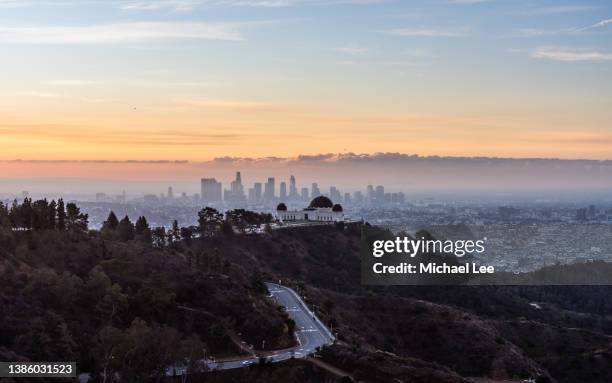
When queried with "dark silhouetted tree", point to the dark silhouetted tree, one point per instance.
{"points": [[111, 223], [125, 229], [26, 213], [174, 234], [247, 221], [39, 214], [186, 233], [15, 215], [236, 218], [75, 220], [52, 215], [61, 215], [227, 228], [159, 237], [5, 220], [209, 220], [142, 229]]}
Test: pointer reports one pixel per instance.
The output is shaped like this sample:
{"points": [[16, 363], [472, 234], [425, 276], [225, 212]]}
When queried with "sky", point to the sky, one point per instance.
{"points": [[200, 79]]}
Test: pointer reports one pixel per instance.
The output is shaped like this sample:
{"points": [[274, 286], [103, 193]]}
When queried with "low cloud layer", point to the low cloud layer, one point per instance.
{"points": [[349, 171]]}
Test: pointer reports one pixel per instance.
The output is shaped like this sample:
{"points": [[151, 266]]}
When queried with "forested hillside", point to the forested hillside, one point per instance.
{"points": [[130, 299], [115, 302]]}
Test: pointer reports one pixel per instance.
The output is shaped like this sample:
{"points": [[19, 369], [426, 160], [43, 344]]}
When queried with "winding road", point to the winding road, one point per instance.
{"points": [[310, 332]]}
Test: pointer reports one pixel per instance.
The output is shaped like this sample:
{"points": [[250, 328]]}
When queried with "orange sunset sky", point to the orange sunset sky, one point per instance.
{"points": [[195, 80]]}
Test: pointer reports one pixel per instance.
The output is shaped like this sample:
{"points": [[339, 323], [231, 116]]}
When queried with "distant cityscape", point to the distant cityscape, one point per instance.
{"points": [[263, 194], [524, 235], [373, 204]]}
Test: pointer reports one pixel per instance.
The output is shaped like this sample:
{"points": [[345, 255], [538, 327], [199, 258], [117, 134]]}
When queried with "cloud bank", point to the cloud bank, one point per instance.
{"points": [[349, 171]]}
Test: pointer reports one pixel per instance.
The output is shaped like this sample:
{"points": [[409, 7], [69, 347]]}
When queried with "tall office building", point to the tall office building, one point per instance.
{"points": [[170, 193], [334, 194], [236, 192], [211, 190], [401, 198], [283, 191], [257, 190], [293, 192], [379, 195], [305, 195], [347, 198], [269, 190], [315, 192], [251, 195], [370, 193], [358, 197]]}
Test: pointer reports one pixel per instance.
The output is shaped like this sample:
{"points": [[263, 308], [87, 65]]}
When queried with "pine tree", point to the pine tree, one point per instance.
{"points": [[111, 223], [126, 229], [209, 220], [51, 215], [175, 233], [15, 215], [38, 214], [186, 233], [61, 215], [143, 230], [5, 221], [141, 225], [25, 211], [75, 220], [159, 237]]}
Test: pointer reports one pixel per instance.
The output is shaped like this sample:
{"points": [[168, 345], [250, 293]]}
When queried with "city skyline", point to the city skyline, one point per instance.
{"points": [[199, 79], [212, 191]]}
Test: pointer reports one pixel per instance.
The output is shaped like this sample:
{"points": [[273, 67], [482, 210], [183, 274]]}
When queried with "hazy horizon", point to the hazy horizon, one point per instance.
{"points": [[348, 171]]}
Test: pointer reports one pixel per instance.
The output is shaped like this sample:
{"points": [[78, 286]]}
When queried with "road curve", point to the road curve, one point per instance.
{"points": [[311, 334]]}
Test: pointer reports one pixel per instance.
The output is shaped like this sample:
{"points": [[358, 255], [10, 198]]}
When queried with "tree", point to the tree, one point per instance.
{"points": [[159, 237], [174, 235], [5, 220], [21, 215], [47, 338], [147, 350], [195, 351], [106, 343], [111, 223], [209, 221], [75, 220], [141, 225], [126, 229], [254, 220], [142, 229], [39, 214], [35, 215], [247, 221], [61, 215], [15, 215], [227, 228], [51, 215], [26, 213], [237, 218], [187, 233]]}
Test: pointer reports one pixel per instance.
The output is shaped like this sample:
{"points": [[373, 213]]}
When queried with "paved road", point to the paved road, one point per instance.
{"points": [[310, 332]]}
